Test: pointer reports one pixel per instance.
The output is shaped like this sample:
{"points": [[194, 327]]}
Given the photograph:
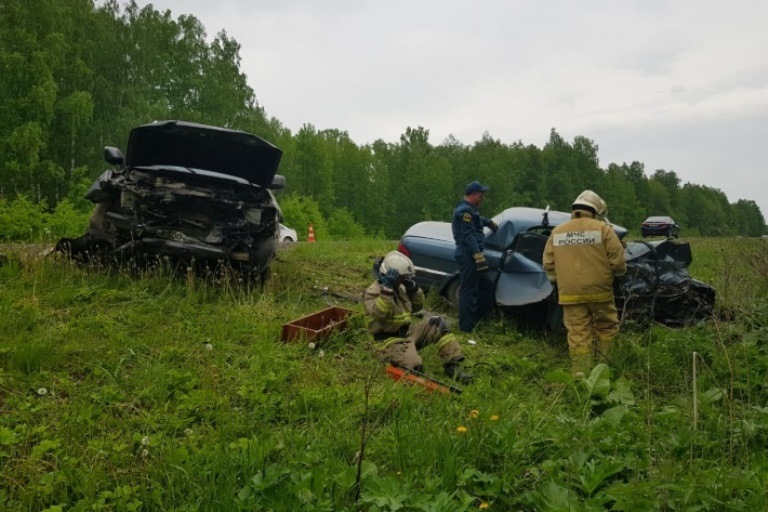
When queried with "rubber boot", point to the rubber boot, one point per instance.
{"points": [[454, 371]]}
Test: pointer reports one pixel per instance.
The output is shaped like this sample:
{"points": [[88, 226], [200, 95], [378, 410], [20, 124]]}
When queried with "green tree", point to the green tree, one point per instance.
{"points": [[301, 212], [748, 217], [619, 193]]}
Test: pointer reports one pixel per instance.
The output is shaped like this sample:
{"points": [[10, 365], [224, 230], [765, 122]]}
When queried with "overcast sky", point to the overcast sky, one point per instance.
{"points": [[680, 85]]}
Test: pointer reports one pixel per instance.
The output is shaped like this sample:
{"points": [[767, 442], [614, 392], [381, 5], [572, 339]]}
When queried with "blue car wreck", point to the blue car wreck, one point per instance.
{"points": [[657, 285]]}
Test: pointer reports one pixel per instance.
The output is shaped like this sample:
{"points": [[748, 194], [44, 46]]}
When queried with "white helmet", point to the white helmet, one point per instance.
{"points": [[399, 262], [592, 201]]}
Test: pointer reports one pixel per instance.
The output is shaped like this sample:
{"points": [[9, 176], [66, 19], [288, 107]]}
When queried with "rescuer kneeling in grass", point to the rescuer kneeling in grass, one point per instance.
{"points": [[393, 302], [584, 255]]}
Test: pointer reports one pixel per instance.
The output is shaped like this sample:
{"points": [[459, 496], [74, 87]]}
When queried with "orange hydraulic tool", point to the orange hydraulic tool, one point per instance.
{"points": [[398, 373]]}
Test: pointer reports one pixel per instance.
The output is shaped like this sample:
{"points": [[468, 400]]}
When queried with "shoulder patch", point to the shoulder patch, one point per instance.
{"points": [[467, 217]]}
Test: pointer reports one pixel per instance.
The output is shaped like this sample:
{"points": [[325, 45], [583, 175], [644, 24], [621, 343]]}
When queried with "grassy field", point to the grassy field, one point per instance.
{"points": [[154, 390]]}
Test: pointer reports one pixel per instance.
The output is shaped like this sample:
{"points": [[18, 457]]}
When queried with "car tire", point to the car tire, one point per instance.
{"points": [[451, 292], [287, 240]]}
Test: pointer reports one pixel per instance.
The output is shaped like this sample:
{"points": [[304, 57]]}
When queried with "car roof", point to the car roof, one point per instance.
{"points": [[201, 147], [657, 218], [514, 220]]}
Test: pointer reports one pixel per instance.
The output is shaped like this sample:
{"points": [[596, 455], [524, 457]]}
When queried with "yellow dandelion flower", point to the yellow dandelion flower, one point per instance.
{"points": [[461, 430], [495, 417], [474, 413], [484, 505]]}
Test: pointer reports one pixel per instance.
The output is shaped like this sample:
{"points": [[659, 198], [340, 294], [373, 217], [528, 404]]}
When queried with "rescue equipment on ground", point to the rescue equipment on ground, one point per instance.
{"points": [[415, 377], [316, 326]]}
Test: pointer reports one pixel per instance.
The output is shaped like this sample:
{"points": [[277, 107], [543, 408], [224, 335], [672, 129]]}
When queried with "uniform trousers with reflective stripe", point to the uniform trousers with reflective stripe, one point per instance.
{"points": [[476, 293], [404, 351], [587, 323]]}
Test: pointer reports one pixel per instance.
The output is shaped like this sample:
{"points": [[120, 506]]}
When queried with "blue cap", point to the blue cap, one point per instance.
{"points": [[475, 186]]}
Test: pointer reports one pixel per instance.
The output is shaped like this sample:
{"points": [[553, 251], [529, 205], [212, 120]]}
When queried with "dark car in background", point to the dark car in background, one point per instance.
{"points": [[185, 192], [660, 225], [657, 284]]}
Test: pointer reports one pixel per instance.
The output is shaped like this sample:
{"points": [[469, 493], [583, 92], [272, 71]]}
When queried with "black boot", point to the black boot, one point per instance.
{"points": [[453, 370]]}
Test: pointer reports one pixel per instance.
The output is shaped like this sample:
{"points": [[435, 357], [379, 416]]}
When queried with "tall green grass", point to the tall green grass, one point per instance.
{"points": [[168, 391]]}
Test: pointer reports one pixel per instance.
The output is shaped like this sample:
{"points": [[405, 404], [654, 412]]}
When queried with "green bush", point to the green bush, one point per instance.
{"points": [[67, 220], [342, 226], [300, 212], [25, 220], [22, 219]]}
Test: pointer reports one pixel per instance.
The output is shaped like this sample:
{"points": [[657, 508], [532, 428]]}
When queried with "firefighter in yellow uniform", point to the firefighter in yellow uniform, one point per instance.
{"points": [[583, 256], [394, 303]]}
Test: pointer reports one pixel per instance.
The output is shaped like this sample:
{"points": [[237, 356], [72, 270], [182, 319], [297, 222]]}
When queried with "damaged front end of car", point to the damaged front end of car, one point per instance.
{"points": [[658, 287], [174, 200]]}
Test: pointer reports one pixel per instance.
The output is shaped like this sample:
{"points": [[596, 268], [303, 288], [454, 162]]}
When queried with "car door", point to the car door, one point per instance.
{"points": [[521, 278]]}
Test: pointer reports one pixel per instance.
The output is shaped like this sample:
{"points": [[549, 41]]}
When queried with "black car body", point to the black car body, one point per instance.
{"points": [[657, 279], [660, 225], [186, 191]]}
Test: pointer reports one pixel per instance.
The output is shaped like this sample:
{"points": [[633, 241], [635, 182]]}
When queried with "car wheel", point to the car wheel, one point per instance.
{"points": [[451, 292], [287, 240]]}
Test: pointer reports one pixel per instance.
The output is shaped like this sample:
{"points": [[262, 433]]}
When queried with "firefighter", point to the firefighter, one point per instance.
{"points": [[476, 292], [395, 305], [583, 256]]}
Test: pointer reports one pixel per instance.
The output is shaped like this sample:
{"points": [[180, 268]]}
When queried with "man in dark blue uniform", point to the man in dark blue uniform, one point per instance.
{"points": [[475, 285]]}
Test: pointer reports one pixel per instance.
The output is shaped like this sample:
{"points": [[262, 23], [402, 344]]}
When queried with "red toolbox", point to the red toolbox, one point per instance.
{"points": [[317, 325]]}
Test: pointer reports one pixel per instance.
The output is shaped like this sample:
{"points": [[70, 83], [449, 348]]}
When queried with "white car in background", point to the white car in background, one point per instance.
{"points": [[286, 234]]}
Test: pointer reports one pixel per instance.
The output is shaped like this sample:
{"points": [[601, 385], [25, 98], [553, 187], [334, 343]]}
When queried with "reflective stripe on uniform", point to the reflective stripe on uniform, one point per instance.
{"points": [[448, 338], [589, 297], [385, 307], [381, 345]]}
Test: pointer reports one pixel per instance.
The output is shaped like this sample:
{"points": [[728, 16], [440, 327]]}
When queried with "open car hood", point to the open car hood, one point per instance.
{"points": [[209, 148]]}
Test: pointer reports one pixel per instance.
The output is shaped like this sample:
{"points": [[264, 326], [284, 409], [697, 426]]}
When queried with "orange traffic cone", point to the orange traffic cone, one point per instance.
{"points": [[311, 235]]}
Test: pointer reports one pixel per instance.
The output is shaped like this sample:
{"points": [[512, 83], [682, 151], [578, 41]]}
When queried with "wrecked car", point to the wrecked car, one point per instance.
{"points": [[657, 285], [185, 192]]}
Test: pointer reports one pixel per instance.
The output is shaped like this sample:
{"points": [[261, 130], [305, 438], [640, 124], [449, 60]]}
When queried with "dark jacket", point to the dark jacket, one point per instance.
{"points": [[467, 226]]}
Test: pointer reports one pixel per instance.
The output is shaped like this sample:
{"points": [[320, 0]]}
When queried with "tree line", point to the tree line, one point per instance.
{"points": [[76, 75]]}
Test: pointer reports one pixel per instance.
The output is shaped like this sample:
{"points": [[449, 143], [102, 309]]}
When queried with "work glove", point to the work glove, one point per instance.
{"points": [[410, 286], [482, 265], [494, 227], [389, 280]]}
